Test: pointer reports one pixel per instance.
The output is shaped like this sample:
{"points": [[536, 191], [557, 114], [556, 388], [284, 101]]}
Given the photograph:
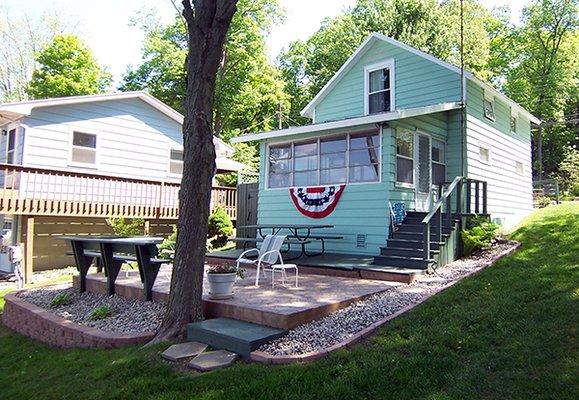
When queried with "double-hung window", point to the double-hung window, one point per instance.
{"points": [[346, 158], [176, 162], [438, 162], [489, 107], [404, 157], [379, 82], [513, 122], [84, 148]]}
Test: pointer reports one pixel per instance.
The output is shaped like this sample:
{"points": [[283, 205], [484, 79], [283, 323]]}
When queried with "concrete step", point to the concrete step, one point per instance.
{"points": [[240, 337], [212, 360], [403, 262]]}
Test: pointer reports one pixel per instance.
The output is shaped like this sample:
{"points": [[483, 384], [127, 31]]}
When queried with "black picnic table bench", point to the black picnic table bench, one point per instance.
{"points": [[300, 234], [112, 252]]}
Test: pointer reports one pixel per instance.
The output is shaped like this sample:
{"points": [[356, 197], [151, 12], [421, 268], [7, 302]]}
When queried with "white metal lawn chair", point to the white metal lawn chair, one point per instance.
{"points": [[267, 255]]}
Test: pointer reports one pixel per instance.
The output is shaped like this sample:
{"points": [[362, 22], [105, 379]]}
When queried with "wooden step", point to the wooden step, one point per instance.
{"points": [[405, 252], [420, 228], [411, 244], [403, 262], [415, 235], [240, 337]]}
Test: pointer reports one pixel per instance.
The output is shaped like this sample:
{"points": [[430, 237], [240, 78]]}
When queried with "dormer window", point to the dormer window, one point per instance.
{"points": [[379, 87], [489, 107]]}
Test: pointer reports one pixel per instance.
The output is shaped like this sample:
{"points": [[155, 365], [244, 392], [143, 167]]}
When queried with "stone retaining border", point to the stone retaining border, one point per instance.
{"points": [[265, 358], [42, 325]]}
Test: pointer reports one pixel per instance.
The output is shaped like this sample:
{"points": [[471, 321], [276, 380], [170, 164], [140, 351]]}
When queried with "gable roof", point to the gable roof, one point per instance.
{"points": [[374, 37], [13, 111]]}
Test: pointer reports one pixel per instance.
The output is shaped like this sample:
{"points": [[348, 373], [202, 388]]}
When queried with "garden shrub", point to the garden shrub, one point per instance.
{"points": [[478, 235], [167, 246], [220, 226], [100, 312], [61, 299], [123, 227]]}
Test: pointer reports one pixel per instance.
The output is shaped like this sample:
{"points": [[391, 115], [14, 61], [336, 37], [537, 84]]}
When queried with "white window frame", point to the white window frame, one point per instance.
{"points": [[515, 118], [432, 140], [375, 67], [347, 135], [488, 148], [72, 146], [15, 128], [170, 160], [522, 170], [491, 99], [412, 158]]}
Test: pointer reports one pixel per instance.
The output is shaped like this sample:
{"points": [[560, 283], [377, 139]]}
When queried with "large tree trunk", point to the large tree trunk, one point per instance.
{"points": [[207, 25]]}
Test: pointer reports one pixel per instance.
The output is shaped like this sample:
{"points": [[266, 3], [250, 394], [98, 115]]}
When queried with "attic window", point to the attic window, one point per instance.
{"points": [[489, 107], [379, 88], [513, 123], [176, 162], [83, 148]]}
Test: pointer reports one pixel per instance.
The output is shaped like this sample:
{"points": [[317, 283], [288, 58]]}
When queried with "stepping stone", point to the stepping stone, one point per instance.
{"points": [[212, 360], [183, 350]]}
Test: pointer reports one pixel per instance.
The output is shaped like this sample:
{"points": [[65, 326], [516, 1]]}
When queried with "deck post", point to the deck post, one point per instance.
{"points": [[439, 222], [459, 197], [29, 249], [477, 197], [147, 227], [468, 190], [426, 233], [484, 197], [449, 211]]}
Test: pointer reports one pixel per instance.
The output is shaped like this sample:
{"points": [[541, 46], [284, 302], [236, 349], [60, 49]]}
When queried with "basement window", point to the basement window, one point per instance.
{"points": [[84, 148], [176, 162]]}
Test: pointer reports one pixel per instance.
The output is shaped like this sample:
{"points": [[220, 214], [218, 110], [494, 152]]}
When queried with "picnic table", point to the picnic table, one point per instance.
{"points": [[300, 234], [112, 252]]}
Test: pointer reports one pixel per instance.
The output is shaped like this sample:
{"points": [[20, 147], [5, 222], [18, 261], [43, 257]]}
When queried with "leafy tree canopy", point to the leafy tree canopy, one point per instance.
{"points": [[67, 68], [249, 89]]}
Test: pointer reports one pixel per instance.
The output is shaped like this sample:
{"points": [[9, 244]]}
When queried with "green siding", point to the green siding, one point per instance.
{"points": [[418, 82], [363, 208], [502, 122]]}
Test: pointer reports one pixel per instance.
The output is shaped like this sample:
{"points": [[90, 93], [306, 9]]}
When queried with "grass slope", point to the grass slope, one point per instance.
{"points": [[509, 332]]}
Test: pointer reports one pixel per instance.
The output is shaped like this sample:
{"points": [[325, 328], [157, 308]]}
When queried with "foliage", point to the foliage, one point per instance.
{"points": [[249, 90], [543, 71], [220, 226], [226, 269], [67, 68], [61, 299], [21, 38], [168, 245], [541, 201], [100, 312], [568, 175], [245, 154], [478, 235], [471, 341], [124, 227]]}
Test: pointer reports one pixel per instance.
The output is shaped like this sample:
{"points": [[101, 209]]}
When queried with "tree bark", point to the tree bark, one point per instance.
{"points": [[207, 25]]}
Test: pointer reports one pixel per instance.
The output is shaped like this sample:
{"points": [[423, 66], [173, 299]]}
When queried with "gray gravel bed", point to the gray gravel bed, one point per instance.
{"points": [[346, 322], [128, 316]]}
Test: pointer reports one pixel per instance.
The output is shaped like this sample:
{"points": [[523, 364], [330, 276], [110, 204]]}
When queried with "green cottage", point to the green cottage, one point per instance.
{"points": [[387, 126]]}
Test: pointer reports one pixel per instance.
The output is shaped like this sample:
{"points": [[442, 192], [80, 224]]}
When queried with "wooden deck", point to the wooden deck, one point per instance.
{"points": [[51, 192]]}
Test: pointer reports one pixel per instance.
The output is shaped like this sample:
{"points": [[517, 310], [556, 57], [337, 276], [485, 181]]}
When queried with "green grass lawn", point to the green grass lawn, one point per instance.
{"points": [[509, 332]]}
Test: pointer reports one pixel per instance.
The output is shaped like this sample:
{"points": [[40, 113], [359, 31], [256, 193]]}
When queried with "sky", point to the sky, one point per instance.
{"points": [[104, 24]]}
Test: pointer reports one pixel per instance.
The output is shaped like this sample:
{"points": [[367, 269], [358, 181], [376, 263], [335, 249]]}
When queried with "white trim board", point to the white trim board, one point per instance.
{"points": [[348, 123], [308, 110]]}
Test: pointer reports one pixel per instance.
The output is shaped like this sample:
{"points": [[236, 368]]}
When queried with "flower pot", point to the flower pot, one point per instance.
{"points": [[221, 285]]}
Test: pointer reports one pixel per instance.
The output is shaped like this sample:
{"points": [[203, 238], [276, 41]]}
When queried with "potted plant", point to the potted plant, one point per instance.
{"points": [[221, 279]]}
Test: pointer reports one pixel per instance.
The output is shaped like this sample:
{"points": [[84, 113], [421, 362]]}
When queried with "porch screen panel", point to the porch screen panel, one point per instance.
{"points": [[280, 166], [424, 185], [438, 162], [364, 158], [306, 164], [404, 157], [333, 160]]}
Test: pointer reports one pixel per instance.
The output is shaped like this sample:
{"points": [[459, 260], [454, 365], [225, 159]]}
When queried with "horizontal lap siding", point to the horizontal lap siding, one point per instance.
{"points": [[133, 139], [510, 195], [418, 82]]}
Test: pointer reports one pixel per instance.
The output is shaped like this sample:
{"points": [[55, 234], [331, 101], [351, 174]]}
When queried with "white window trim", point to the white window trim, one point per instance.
{"points": [[487, 147], [169, 161], [489, 97], [396, 155], [293, 142], [71, 146], [433, 139], [16, 130], [514, 115], [375, 67], [522, 173]]}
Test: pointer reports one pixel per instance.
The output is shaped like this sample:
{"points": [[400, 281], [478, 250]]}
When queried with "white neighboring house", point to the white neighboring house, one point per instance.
{"points": [[96, 156]]}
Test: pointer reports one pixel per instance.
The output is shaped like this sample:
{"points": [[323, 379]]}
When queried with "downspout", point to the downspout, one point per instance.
{"points": [[462, 96]]}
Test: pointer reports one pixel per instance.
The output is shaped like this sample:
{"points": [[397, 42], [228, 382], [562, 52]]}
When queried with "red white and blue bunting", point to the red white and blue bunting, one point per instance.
{"points": [[316, 202]]}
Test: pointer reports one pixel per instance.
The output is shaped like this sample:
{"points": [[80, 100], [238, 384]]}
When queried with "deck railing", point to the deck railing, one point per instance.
{"points": [[467, 200], [43, 191]]}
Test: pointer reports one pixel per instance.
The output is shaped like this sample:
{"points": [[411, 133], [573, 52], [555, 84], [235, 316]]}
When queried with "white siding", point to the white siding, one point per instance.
{"points": [[510, 195]]}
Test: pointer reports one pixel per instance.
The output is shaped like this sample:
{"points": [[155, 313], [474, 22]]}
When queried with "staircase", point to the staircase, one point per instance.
{"points": [[427, 240], [405, 247]]}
